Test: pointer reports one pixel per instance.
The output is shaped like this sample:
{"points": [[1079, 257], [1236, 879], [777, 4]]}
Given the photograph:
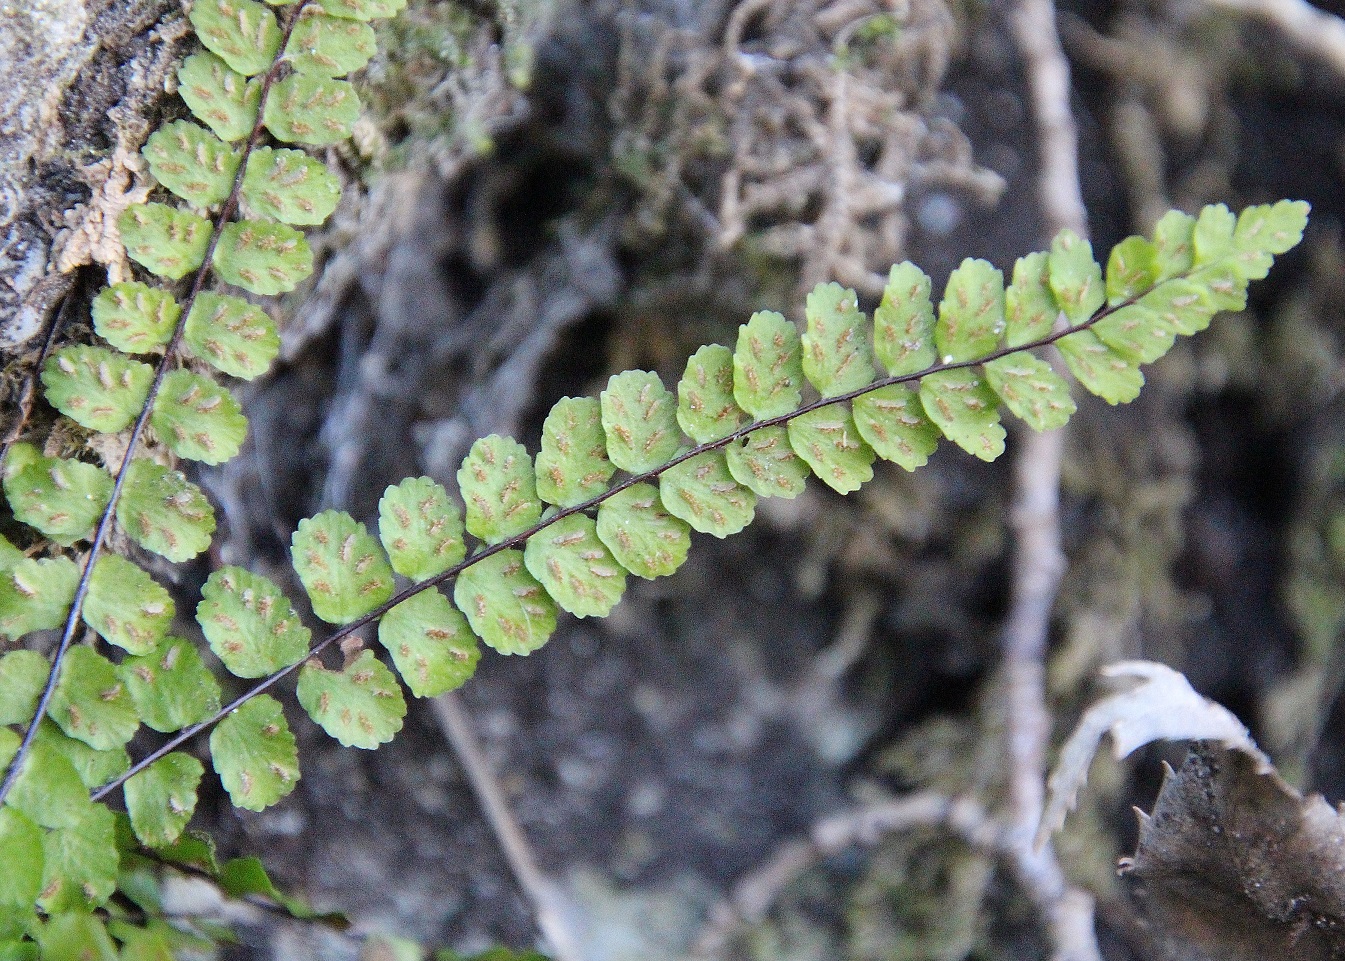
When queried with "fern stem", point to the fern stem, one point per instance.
{"points": [[137, 432], [521, 538], [30, 385]]}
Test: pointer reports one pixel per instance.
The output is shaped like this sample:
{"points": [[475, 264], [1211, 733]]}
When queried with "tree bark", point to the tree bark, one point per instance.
{"points": [[80, 81]]}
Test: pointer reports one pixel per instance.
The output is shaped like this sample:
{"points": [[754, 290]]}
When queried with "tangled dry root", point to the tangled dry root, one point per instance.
{"points": [[799, 128]]}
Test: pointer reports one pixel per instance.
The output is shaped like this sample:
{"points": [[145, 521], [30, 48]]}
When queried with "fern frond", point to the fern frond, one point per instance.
{"points": [[528, 566]]}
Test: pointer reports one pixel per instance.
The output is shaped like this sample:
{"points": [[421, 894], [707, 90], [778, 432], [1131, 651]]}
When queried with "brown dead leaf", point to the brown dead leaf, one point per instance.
{"points": [[1235, 865]]}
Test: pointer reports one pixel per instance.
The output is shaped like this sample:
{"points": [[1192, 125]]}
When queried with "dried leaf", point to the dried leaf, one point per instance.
{"points": [[1163, 707], [1235, 865]]}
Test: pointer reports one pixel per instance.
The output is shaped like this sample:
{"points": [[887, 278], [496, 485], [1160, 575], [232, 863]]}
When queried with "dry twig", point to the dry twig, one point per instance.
{"points": [[545, 896], [755, 893], [1038, 562]]}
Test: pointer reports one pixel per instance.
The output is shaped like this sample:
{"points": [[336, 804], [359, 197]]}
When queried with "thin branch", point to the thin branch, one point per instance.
{"points": [[1038, 559], [753, 895], [547, 902], [137, 432], [1316, 31], [521, 538], [1048, 80]]}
